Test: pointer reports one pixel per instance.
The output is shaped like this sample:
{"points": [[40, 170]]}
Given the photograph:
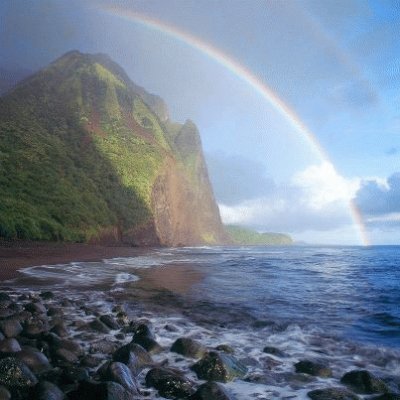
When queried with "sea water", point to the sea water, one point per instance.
{"points": [[336, 305]]}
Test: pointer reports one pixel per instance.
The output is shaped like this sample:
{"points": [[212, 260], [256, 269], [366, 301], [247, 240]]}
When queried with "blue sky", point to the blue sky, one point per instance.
{"points": [[335, 63]]}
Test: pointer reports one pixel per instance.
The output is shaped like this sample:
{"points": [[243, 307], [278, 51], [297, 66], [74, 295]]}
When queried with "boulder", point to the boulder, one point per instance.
{"points": [[170, 384], [145, 338], [100, 391], [16, 374], [313, 368], [36, 307], [110, 321], [219, 367], [120, 373], [387, 396], [134, 356], [4, 393], [46, 295], [34, 359], [211, 391], [362, 381], [47, 391], [274, 351], [99, 326], [188, 348], [9, 346], [10, 327], [332, 394]]}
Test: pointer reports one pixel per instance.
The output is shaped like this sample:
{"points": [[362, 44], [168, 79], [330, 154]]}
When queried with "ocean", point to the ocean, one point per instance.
{"points": [[337, 305]]}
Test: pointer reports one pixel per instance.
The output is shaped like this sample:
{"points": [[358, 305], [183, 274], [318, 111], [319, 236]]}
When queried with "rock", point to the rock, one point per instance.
{"points": [[143, 330], [90, 361], [6, 312], [387, 396], [9, 346], [274, 351], [74, 374], [134, 356], [313, 368], [103, 346], [60, 329], [100, 391], [225, 348], [36, 308], [55, 312], [98, 326], [15, 374], [211, 391], [62, 354], [170, 384], [4, 393], [188, 348], [47, 295], [110, 321], [332, 394], [70, 345], [47, 391], [34, 359], [219, 367], [35, 326], [362, 381], [120, 373], [4, 296], [10, 327], [145, 338]]}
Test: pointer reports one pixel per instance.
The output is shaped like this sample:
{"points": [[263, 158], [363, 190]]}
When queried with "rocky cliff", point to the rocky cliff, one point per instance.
{"points": [[87, 155]]}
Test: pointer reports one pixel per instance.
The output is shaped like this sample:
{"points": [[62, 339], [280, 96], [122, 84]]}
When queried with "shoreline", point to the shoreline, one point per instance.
{"points": [[15, 255]]}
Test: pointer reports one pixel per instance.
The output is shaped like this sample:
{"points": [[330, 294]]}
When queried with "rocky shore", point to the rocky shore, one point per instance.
{"points": [[56, 347]]}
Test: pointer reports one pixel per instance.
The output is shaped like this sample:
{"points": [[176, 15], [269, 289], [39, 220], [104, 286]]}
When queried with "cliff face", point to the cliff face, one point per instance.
{"points": [[87, 155]]}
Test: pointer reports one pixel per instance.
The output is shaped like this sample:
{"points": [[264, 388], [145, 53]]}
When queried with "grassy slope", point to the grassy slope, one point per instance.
{"points": [[245, 236], [70, 167]]}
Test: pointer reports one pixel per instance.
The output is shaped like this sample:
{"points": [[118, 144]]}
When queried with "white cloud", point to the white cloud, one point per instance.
{"points": [[314, 200]]}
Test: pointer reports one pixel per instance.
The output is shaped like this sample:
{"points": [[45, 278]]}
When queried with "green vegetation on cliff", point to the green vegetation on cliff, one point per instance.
{"points": [[245, 236], [80, 152]]}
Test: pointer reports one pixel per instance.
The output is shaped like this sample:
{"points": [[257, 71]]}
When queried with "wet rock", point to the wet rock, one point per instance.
{"points": [[332, 394], [4, 393], [60, 329], [170, 384], [225, 348], [90, 361], [55, 312], [313, 368], [98, 326], [188, 348], [387, 396], [101, 391], [70, 345], [219, 367], [65, 355], [134, 356], [103, 346], [362, 381], [9, 346], [47, 295], [34, 359], [36, 308], [4, 296], [145, 338], [35, 326], [15, 374], [110, 321], [6, 313], [274, 351], [170, 328], [10, 327], [120, 373], [74, 374], [211, 391], [47, 391], [122, 318]]}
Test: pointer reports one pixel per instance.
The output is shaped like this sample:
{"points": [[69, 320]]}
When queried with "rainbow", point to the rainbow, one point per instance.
{"points": [[246, 76]]}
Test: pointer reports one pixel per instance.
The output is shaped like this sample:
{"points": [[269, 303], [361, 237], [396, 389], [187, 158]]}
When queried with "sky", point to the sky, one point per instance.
{"points": [[297, 101]]}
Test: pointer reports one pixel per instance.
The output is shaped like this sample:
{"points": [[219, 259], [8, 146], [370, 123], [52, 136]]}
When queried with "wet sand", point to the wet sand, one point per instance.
{"points": [[19, 254]]}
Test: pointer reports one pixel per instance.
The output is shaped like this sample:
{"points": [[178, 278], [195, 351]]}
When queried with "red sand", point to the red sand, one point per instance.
{"points": [[17, 254]]}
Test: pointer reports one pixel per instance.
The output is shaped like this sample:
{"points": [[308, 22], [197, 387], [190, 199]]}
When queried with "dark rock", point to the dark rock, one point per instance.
{"points": [[36, 308], [74, 374], [98, 326], [188, 348], [274, 351], [9, 346], [211, 391], [313, 368], [143, 330], [34, 359], [10, 327], [170, 328], [103, 346], [6, 313], [70, 345], [4, 296], [47, 295], [60, 329], [55, 312], [332, 394], [47, 391], [148, 344], [90, 361], [134, 356], [35, 326], [225, 348], [4, 393], [122, 318], [219, 367], [170, 384], [63, 354], [362, 381], [110, 321], [120, 373], [100, 391], [15, 374], [387, 396]]}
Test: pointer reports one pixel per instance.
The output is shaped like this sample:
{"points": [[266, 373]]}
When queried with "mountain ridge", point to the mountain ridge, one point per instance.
{"points": [[86, 154]]}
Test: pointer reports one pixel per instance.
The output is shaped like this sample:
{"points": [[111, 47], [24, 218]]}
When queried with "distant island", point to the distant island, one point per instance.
{"points": [[245, 236]]}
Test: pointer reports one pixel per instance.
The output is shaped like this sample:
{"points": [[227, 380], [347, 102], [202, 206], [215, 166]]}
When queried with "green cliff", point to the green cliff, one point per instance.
{"points": [[244, 236], [87, 155]]}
